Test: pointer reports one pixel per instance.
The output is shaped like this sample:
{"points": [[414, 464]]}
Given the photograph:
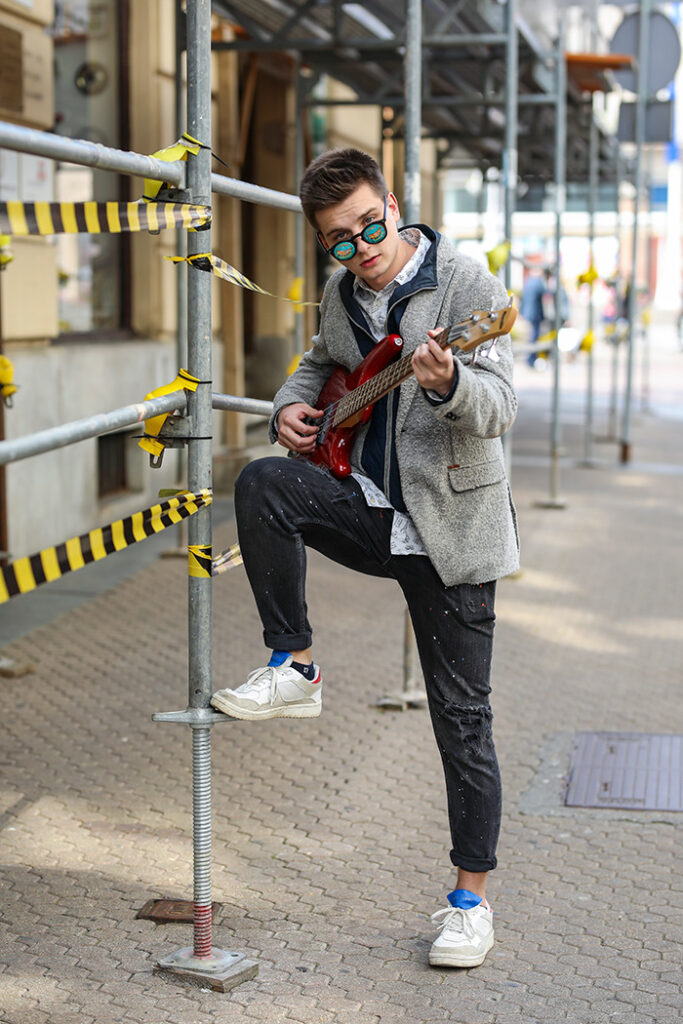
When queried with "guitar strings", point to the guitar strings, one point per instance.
{"points": [[390, 375]]}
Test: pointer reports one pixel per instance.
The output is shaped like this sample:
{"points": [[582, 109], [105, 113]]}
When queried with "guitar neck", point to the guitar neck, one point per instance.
{"points": [[389, 378]]}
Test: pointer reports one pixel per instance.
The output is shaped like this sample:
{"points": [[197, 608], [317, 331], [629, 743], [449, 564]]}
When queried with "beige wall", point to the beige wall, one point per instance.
{"points": [[28, 178], [152, 127]]}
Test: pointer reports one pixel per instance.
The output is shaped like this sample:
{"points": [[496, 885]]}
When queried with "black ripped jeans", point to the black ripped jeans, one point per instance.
{"points": [[282, 506]]}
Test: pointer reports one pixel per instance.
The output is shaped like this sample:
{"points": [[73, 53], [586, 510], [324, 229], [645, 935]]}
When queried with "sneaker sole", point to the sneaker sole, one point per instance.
{"points": [[442, 958], [260, 714]]}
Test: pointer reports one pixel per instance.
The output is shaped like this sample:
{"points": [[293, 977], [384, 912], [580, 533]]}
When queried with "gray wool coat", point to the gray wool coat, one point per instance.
{"points": [[450, 456]]}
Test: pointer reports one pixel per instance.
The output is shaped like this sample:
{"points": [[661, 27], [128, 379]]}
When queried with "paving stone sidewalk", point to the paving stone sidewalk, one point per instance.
{"points": [[330, 837]]}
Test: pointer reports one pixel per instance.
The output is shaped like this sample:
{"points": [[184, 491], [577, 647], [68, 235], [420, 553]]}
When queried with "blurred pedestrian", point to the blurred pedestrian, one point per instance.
{"points": [[532, 307]]}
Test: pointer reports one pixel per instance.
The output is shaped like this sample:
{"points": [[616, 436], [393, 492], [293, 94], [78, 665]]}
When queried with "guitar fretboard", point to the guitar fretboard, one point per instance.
{"points": [[394, 374]]}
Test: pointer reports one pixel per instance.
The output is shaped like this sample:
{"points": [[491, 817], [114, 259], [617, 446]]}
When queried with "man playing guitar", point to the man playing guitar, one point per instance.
{"points": [[419, 494]]}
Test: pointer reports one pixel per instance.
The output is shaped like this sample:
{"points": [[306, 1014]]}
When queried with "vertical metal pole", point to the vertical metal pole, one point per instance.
{"points": [[645, 329], [614, 390], [643, 52], [510, 160], [590, 362], [181, 238], [4, 526], [560, 189], [299, 226], [226, 969], [413, 115], [199, 460], [510, 151], [412, 194]]}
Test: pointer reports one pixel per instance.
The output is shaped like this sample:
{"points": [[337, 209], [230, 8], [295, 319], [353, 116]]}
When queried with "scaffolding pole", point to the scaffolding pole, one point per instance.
{"points": [[411, 695], [588, 459], [510, 163], [554, 501], [643, 59], [222, 969]]}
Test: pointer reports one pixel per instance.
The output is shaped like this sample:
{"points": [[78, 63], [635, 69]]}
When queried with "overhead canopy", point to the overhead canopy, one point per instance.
{"points": [[464, 55]]}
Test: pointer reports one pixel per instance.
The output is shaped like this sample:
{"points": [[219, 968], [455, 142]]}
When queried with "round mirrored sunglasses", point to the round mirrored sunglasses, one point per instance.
{"points": [[372, 233]]}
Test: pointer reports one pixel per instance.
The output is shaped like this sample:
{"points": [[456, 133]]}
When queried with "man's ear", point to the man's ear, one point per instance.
{"points": [[320, 238], [392, 206]]}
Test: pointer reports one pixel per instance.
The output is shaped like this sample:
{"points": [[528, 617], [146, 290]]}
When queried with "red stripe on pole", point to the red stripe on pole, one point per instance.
{"points": [[202, 930]]}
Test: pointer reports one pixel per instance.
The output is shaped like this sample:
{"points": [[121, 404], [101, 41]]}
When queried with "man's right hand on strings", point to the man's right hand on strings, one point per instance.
{"points": [[293, 432]]}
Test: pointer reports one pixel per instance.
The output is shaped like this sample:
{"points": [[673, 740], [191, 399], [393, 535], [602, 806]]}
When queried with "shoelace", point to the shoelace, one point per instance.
{"points": [[262, 678], [455, 918]]}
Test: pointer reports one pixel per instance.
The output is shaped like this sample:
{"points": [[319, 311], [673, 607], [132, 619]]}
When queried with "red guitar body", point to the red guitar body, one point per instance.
{"points": [[334, 447]]}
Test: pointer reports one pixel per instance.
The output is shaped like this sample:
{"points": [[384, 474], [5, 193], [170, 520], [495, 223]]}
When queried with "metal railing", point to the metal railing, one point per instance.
{"points": [[197, 180]]}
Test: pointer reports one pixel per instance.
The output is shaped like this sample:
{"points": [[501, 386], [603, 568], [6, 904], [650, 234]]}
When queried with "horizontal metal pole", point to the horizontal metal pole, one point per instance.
{"points": [[92, 154], [254, 193], [89, 154], [349, 45], [234, 403], [497, 100], [91, 426]]}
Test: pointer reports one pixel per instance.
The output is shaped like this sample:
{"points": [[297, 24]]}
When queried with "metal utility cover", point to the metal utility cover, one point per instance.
{"points": [[168, 911], [637, 771]]}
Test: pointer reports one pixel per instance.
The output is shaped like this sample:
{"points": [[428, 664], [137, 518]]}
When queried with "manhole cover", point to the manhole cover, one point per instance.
{"points": [[626, 770], [165, 911]]}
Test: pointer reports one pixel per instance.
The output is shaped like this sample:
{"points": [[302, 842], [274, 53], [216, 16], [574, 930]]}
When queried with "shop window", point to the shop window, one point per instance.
{"points": [[88, 105], [112, 478]]}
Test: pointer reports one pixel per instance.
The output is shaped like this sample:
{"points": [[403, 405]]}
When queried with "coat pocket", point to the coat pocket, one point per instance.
{"points": [[481, 474]]}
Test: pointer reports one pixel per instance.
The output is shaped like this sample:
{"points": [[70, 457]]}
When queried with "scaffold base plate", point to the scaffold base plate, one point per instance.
{"points": [[551, 503], [401, 701], [221, 971]]}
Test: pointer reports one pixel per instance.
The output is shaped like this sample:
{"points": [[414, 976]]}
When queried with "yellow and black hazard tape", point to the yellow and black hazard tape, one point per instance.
{"points": [[150, 440], [228, 559], [17, 218], [26, 574], [6, 254], [215, 265], [199, 560], [7, 385], [178, 150]]}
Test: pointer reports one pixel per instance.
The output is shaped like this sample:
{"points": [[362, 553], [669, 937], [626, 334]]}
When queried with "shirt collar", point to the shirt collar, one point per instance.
{"points": [[421, 243]]}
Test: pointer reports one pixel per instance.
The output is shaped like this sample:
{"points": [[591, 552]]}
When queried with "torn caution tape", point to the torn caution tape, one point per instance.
{"points": [[6, 254], [228, 559], [169, 154], [26, 574], [151, 442], [17, 218], [215, 265], [7, 385]]}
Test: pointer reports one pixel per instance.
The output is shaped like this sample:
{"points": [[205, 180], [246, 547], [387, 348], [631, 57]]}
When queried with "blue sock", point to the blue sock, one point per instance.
{"points": [[280, 657], [464, 899]]}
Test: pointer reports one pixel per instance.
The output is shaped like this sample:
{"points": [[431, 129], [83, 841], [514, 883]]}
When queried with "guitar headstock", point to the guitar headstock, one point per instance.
{"points": [[481, 325]]}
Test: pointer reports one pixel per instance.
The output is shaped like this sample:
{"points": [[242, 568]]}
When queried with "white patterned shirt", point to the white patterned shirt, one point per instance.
{"points": [[405, 540]]}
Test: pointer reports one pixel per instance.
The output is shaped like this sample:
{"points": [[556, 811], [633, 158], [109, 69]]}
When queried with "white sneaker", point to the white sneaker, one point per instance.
{"points": [[276, 691], [466, 932]]}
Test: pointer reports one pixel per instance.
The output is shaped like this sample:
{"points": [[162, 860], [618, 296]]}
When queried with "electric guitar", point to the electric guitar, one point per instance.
{"points": [[347, 398]]}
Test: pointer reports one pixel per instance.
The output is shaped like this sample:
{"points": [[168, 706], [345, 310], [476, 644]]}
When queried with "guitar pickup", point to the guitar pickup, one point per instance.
{"points": [[323, 422]]}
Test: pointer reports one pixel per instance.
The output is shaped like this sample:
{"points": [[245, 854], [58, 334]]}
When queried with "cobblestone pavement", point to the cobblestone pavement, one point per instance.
{"points": [[330, 837]]}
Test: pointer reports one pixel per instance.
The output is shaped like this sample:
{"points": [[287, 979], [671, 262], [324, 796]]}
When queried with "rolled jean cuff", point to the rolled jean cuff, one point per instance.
{"points": [[280, 642], [477, 864]]}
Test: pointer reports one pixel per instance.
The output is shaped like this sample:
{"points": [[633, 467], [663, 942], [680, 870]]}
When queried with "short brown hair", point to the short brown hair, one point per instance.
{"points": [[333, 176]]}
